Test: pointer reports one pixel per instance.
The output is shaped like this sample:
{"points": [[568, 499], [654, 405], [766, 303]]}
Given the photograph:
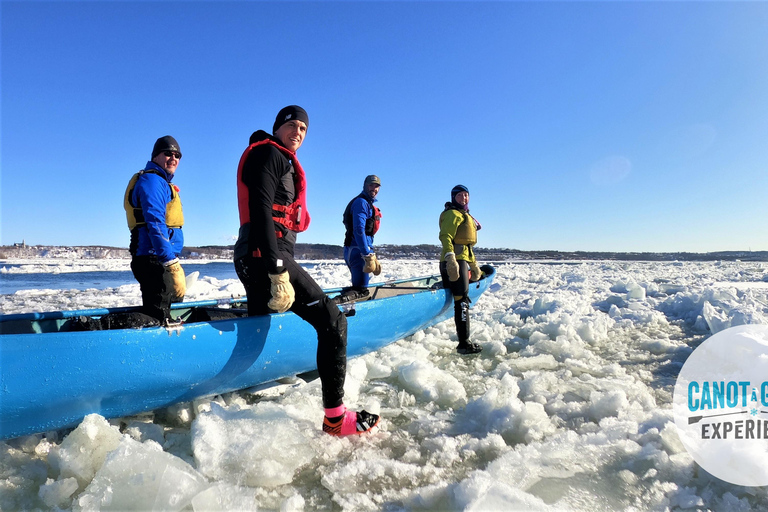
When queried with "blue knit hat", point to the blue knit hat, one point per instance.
{"points": [[458, 188]]}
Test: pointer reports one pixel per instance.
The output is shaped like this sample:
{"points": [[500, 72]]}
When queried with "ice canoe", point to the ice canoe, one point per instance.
{"points": [[52, 376]]}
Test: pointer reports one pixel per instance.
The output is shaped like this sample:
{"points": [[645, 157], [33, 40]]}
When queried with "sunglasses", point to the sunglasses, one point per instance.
{"points": [[169, 154]]}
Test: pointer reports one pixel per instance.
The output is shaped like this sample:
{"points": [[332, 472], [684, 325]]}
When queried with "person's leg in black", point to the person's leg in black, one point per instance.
{"points": [[314, 306], [155, 295], [255, 278], [460, 292]]}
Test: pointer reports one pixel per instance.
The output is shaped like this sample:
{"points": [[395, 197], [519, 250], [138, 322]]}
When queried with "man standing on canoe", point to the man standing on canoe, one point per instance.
{"points": [[271, 195], [153, 209], [361, 220]]}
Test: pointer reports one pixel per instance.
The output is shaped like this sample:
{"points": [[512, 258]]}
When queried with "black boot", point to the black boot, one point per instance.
{"points": [[461, 316], [468, 347]]}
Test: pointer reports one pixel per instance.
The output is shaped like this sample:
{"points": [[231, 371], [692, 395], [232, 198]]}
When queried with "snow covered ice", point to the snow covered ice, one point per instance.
{"points": [[568, 407]]}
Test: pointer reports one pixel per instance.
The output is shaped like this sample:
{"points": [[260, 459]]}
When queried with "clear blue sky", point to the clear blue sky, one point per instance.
{"points": [[619, 126]]}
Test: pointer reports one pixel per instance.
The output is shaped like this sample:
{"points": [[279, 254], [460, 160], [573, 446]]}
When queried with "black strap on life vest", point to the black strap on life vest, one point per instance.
{"points": [[372, 223]]}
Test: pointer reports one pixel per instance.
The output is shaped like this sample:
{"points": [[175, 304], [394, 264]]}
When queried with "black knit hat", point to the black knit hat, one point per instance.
{"points": [[290, 113], [458, 188], [166, 143]]}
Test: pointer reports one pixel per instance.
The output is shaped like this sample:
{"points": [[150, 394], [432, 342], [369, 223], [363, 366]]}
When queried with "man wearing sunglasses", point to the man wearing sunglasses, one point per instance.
{"points": [[155, 217]]}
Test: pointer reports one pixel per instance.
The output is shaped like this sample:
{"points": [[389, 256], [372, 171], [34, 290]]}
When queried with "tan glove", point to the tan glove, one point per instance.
{"points": [[451, 266], [474, 272], [282, 292], [372, 264], [177, 279]]}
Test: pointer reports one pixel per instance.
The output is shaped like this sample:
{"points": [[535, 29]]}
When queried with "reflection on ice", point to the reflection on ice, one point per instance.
{"points": [[568, 407]]}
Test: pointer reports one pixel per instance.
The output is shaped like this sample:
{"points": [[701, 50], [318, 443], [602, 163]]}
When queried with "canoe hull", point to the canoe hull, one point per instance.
{"points": [[51, 381]]}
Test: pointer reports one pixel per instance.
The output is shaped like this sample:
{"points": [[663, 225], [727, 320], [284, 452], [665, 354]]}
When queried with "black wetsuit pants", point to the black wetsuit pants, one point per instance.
{"points": [[311, 305], [156, 286], [460, 291]]}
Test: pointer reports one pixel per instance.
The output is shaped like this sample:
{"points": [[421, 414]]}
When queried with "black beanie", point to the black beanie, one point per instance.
{"points": [[289, 113], [166, 143], [458, 188]]}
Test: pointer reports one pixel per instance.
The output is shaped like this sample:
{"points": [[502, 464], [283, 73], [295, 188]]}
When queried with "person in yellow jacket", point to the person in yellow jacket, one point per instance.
{"points": [[458, 266]]}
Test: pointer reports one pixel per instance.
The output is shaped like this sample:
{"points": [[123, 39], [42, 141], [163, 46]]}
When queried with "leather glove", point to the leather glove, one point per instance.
{"points": [[282, 292], [451, 266], [474, 272], [372, 264], [177, 279]]}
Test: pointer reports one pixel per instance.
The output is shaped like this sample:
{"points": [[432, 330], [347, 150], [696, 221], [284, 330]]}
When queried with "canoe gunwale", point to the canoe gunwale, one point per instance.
{"points": [[96, 312]]}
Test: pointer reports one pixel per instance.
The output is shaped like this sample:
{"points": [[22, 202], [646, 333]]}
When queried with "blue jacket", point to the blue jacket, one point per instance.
{"points": [[356, 215], [153, 194]]}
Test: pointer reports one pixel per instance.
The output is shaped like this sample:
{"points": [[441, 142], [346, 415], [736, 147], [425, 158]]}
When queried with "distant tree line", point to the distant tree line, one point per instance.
{"points": [[423, 251]]}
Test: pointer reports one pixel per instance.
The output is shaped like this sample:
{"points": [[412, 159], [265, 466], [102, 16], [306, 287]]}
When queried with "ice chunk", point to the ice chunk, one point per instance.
{"points": [[429, 383], [607, 404], [58, 493], [480, 492], [355, 482], [686, 498], [191, 279], [224, 497], [544, 305], [613, 300], [715, 321], [500, 410], [259, 446], [83, 451], [141, 476], [635, 291], [541, 361], [144, 431]]}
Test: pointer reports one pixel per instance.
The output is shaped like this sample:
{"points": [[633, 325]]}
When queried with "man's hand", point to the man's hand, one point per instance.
{"points": [[177, 278], [451, 266], [282, 292], [372, 264]]}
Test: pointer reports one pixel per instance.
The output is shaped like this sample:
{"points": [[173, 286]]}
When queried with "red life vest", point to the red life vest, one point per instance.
{"points": [[296, 217], [373, 223]]}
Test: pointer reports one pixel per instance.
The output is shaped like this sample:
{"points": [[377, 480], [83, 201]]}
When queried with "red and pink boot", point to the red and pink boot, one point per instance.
{"points": [[340, 421]]}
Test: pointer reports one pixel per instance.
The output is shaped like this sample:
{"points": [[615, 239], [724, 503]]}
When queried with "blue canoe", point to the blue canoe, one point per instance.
{"points": [[51, 377]]}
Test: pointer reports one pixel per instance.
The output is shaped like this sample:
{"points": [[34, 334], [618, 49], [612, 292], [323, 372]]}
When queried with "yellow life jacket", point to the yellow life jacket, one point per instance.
{"points": [[174, 215], [466, 233]]}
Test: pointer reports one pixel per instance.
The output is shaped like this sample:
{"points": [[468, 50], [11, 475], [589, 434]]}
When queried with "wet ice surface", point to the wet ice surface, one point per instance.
{"points": [[567, 408]]}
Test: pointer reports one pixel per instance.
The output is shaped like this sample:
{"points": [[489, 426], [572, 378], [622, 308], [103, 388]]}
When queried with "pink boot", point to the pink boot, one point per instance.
{"points": [[340, 421]]}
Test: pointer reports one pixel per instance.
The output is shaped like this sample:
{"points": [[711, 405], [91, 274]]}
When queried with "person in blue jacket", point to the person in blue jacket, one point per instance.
{"points": [[155, 218], [361, 220]]}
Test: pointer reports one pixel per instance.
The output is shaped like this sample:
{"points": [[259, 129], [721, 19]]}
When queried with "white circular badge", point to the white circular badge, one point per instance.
{"points": [[721, 405]]}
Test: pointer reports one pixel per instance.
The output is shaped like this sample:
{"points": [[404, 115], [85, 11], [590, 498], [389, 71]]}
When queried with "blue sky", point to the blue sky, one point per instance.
{"points": [[616, 126]]}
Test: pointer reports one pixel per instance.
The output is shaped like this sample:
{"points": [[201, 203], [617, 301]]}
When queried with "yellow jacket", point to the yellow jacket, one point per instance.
{"points": [[458, 233]]}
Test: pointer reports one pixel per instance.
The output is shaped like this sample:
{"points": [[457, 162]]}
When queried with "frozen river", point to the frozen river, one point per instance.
{"points": [[568, 407]]}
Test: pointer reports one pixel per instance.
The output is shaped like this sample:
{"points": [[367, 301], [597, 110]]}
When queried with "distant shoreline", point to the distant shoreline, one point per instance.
{"points": [[424, 251]]}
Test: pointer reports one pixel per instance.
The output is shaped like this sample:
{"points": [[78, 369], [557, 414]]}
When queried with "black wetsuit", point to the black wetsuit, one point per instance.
{"points": [[267, 247]]}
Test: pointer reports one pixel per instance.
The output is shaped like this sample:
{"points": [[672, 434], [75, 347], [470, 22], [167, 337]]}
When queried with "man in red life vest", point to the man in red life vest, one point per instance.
{"points": [[271, 193]]}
